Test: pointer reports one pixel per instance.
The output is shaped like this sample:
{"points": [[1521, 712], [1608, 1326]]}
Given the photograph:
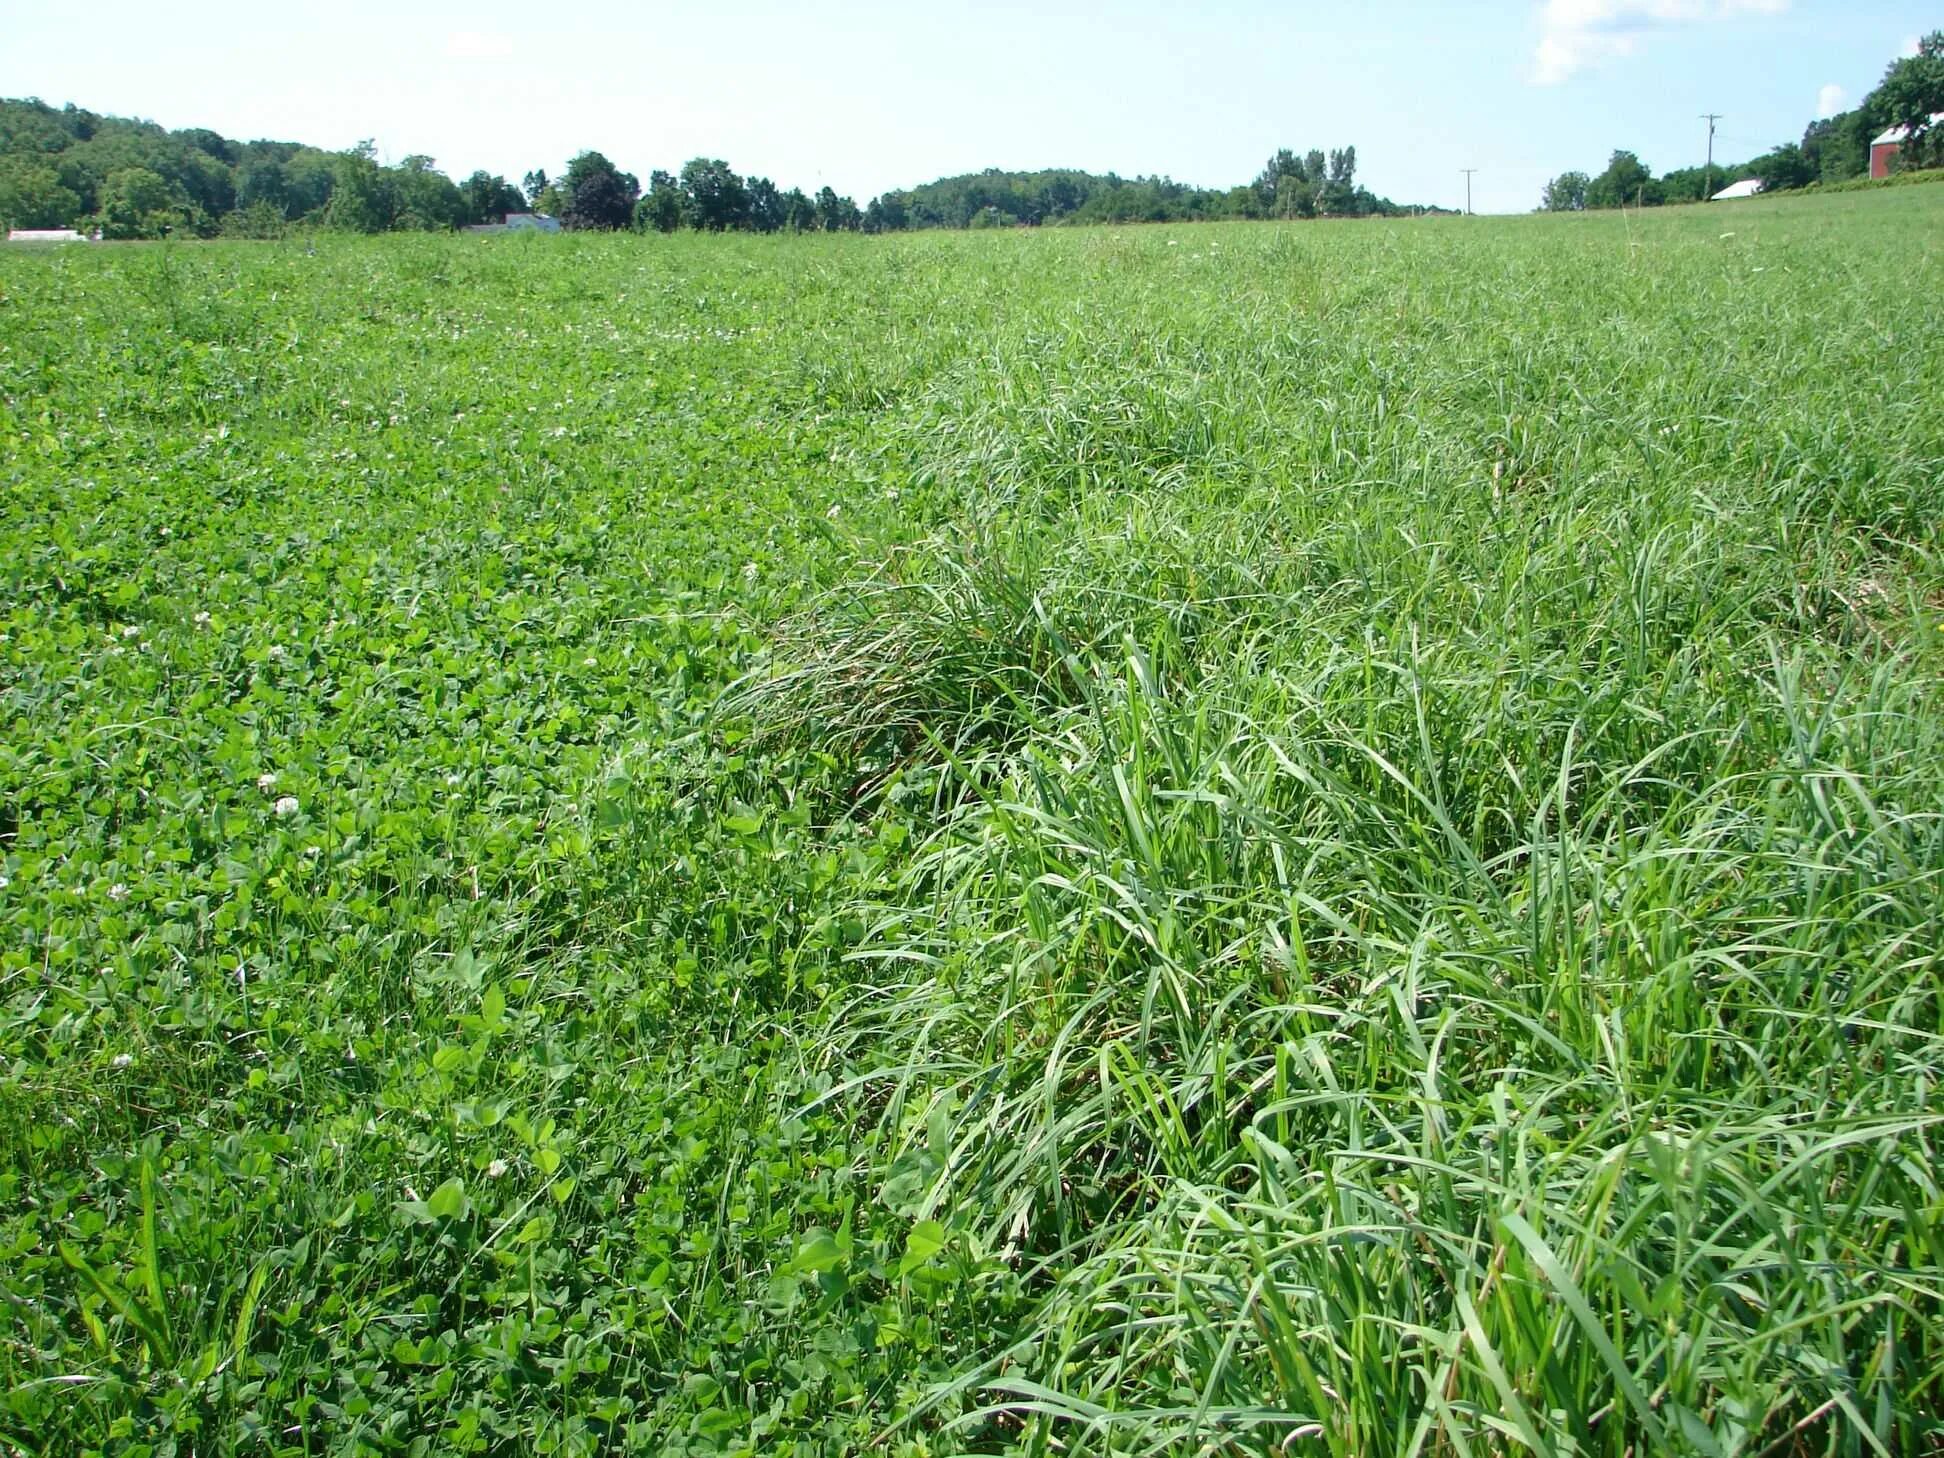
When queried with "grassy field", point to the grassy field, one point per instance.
{"points": [[1246, 839]]}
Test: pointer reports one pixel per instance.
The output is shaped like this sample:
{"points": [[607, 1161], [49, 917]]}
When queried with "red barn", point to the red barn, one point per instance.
{"points": [[1890, 143]]}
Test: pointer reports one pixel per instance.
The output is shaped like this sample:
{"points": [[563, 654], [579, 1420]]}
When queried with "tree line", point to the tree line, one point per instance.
{"points": [[1290, 185], [69, 167], [1834, 149]]}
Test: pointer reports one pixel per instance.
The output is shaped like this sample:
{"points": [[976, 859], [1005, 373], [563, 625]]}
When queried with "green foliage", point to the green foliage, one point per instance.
{"points": [[1566, 193], [662, 207], [361, 199], [136, 203], [1626, 183], [32, 195], [1287, 187], [489, 198], [714, 198], [1786, 167], [54, 165], [135, 180], [1248, 839], [595, 194], [837, 214]]}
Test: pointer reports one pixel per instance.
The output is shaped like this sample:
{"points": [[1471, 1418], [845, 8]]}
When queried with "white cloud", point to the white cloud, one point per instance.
{"points": [[1576, 34], [1830, 100], [478, 45]]}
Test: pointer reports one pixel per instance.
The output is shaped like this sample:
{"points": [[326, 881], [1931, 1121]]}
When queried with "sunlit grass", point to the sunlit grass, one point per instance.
{"points": [[1236, 839]]}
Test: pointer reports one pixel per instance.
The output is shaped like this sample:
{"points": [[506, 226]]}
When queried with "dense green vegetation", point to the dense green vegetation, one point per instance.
{"points": [[1833, 150], [132, 179], [1289, 186], [1258, 839]]}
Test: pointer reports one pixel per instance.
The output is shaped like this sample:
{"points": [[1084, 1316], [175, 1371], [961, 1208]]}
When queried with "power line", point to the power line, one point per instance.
{"points": [[1468, 171], [1707, 176]]}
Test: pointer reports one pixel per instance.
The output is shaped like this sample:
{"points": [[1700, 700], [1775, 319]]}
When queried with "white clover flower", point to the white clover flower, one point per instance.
{"points": [[131, 631], [122, 1060], [590, 662], [276, 650], [5, 882], [286, 805], [202, 620], [454, 778], [118, 892], [495, 1169], [749, 572], [835, 509], [267, 781]]}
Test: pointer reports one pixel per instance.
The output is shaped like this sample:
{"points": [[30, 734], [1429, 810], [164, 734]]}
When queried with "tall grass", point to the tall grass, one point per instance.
{"points": [[1301, 839]]}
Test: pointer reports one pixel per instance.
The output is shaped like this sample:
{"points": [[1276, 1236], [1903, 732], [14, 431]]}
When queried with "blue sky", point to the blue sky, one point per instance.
{"points": [[877, 94]]}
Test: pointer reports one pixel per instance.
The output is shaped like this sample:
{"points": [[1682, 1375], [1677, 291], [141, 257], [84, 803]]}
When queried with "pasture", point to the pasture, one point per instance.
{"points": [[1312, 838]]}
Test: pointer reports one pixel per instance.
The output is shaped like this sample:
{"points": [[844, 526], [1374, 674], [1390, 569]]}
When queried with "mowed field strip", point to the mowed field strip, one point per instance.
{"points": [[1312, 838]]}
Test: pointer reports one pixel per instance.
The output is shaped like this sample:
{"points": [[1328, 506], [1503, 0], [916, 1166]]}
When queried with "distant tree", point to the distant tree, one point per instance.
{"points": [[765, 205], [207, 182], [1269, 184], [1295, 196], [211, 144], [839, 214], [361, 200], [32, 195], [1625, 183], [893, 215], [596, 194], [799, 213], [661, 208], [1697, 184], [1566, 193], [533, 184], [262, 183], [138, 203], [309, 177], [1785, 167], [32, 126], [1340, 188], [717, 199], [424, 198], [488, 198], [1911, 92], [1240, 201]]}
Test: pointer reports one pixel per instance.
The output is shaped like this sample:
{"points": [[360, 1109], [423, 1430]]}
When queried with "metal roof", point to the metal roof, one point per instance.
{"points": [[1747, 187], [1902, 134]]}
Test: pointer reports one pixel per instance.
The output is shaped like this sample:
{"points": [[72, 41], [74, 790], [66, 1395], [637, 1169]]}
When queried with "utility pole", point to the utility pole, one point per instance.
{"points": [[1707, 176], [1468, 171]]}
